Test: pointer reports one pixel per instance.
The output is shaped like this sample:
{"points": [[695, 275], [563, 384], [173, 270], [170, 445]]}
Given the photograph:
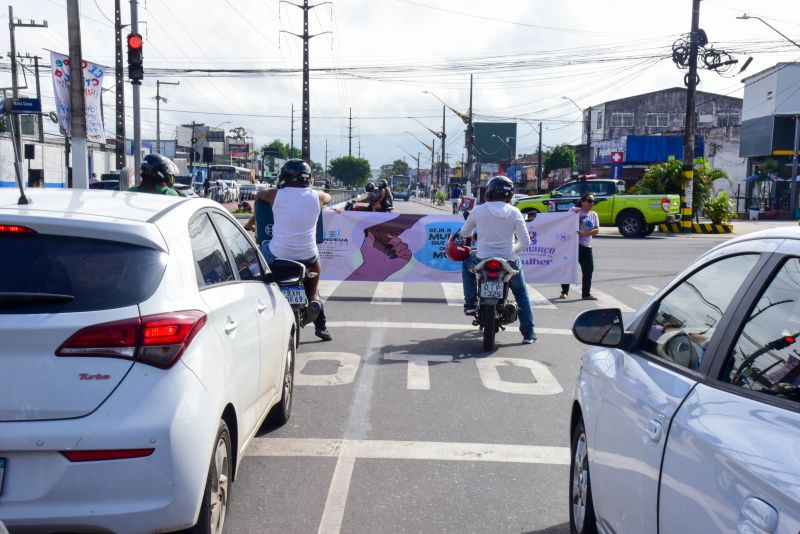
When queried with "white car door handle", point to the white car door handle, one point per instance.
{"points": [[653, 430], [756, 516], [261, 307], [231, 326]]}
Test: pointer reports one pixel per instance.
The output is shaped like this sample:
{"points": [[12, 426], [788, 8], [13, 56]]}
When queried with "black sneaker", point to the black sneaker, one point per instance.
{"points": [[324, 335], [470, 310]]}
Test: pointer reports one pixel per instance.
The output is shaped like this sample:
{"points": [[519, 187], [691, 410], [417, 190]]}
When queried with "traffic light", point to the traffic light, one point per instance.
{"points": [[135, 58]]}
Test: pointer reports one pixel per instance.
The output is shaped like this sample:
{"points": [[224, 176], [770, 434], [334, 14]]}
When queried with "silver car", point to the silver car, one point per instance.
{"points": [[687, 418]]}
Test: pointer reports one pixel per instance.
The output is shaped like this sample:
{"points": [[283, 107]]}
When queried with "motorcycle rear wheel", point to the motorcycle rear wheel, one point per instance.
{"points": [[489, 326]]}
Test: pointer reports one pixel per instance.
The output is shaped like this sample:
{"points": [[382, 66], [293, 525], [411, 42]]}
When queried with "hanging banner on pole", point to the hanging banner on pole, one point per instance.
{"points": [[377, 247], [92, 86]]}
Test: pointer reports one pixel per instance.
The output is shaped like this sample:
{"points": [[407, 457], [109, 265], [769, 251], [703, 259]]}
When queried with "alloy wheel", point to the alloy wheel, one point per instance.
{"points": [[580, 483], [219, 486]]}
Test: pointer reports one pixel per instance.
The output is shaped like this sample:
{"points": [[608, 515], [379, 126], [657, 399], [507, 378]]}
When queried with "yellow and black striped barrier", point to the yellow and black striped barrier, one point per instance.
{"points": [[696, 228]]}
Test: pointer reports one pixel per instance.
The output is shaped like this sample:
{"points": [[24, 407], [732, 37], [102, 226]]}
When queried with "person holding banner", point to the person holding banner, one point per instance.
{"points": [[588, 227], [497, 224], [296, 208]]}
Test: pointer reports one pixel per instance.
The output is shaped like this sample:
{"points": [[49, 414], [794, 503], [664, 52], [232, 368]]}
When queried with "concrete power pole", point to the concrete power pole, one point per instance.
{"points": [[137, 106], [350, 135], [442, 176], [160, 99], [80, 164], [689, 133], [539, 170], [470, 141], [291, 136], [39, 120], [120, 92]]}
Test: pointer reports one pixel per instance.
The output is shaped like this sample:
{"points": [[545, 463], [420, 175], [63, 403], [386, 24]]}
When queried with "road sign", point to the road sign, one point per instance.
{"points": [[21, 106]]}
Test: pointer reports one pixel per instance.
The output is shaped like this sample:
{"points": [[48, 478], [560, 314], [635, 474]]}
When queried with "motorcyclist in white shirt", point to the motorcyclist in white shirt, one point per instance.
{"points": [[502, 233]]}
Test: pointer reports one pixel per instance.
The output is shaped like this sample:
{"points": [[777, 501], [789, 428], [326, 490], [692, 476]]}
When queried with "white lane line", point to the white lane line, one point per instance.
{"points": [[647, 290], [418, 376], [388, 294], [327, 287], [333, 515], [538, 300], [409, 450], [604, 300], [436, 326], [454, 293]]}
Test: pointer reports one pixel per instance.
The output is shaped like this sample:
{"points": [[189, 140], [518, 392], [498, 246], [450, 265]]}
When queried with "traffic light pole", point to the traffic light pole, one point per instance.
{"points": [[120, 92], [137, 108]]}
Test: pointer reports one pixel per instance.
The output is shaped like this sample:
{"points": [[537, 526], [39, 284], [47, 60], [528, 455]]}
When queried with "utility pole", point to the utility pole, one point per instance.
{"points": [[326, 159], [80, 168], [539, 170], [793, 186], [350, 135], [291, 136], [433, 162], [306, 143], [417, 178], [120, 92], [159, 99], [12, 24], [689, 133], [191, 155], [442, 177], [137, 111], [588, 140], [359, 148], [39, 120], [470, 141]]}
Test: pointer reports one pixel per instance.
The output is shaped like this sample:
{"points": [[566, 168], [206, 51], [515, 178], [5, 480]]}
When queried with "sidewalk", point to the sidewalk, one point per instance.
{"points": [[740, 227]]}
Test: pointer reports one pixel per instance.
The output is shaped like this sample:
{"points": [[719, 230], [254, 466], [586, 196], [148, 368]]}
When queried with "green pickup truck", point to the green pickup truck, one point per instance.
{"points": [[634, 215]]}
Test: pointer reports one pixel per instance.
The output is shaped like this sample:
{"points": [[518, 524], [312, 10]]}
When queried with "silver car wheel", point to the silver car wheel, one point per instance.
{"points": [[219, 485], [580, 483]]}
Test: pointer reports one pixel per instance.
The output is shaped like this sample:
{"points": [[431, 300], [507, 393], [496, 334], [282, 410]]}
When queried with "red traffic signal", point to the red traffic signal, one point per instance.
{"points": [[134, 41], [135, 58]]}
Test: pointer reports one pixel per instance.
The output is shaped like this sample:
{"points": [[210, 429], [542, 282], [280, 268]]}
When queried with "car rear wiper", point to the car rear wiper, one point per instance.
{"points": [[18, 297]]}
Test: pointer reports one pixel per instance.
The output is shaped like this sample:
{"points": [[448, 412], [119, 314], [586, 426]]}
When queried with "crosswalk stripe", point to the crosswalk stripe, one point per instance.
{"points": [[604, 300], [647, 290], [538, 300], [327, 287], [454, 293], [436, 326], [388, 294]]}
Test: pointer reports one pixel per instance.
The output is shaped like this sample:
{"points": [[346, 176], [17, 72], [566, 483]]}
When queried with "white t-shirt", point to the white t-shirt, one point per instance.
{"points": [[497, 224], [295, 211]]}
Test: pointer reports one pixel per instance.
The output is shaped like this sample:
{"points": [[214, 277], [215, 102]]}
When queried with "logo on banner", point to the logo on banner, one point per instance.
{"points": [[432, 253]]}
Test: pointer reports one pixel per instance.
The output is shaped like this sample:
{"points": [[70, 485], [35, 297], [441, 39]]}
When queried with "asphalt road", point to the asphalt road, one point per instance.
{"points": [[403, 424]]}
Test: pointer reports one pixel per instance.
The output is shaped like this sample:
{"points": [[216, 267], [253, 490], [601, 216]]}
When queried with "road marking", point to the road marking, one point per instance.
{"points": [[408, 450], [604, 300], [647, 290], [333, 515], [538, 300], [418, 375], [327, 287], [544, 383], [348, 367], [435, 326], [454, 293], [388, 294]]}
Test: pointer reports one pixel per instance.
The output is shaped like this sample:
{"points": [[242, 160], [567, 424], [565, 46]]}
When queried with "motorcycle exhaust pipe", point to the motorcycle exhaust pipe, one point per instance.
{"points": [[510, 312]]}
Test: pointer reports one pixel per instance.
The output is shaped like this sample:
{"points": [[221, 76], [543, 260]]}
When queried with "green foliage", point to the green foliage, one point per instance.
{"points": [[316, 169], [283, 149], [2, 124], [770, 166], [238, 133], [666, 179], [350, 171], [441, 196], [559, 157], [398, 166], [720, 209]]}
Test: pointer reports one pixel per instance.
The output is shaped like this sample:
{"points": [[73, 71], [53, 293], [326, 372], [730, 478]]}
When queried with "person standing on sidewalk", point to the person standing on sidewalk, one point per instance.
{"points": [[588, 227]]}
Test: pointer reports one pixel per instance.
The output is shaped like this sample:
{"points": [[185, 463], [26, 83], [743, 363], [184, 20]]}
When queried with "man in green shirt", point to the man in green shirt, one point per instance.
{"points": [[158, 176]]}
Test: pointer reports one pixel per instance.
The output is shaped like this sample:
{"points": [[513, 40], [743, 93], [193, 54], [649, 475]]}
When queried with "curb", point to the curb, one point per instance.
{"points": [[697, 228], [442, 208]]}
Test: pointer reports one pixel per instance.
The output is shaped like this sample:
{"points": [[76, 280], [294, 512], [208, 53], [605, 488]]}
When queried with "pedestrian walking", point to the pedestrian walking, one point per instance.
{"points": [[588, 227], [206, 187]]}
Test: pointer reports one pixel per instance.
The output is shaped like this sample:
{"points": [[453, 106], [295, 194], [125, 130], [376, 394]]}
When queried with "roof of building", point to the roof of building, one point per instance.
{"points": [[770, 70], [670, 89]]}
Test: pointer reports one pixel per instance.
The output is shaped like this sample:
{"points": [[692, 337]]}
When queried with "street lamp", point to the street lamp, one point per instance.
{"points": [[415, 158], [539, 152], [587, 163], [510, 150], [793, 186], [430, 147]]}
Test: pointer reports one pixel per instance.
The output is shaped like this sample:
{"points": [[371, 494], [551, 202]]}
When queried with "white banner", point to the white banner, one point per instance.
{"points": [[92, 86]]}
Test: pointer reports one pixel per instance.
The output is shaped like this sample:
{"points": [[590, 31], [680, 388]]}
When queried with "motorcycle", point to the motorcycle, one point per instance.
{"points": [[493, 309], [291, 277], [353, 206]]}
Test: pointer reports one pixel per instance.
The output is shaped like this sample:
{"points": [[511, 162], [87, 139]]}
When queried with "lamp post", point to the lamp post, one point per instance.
{"points": [[415, 158], [539, 167], [587, 162], [510, 150], [796, 145], [467, 119]]}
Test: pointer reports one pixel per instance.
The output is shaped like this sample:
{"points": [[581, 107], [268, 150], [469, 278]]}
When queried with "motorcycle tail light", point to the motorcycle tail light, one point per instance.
{"points": [[493, 265], [493, 275]]}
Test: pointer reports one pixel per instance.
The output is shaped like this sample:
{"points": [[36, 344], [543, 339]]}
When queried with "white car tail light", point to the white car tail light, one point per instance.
{"points": [[157, 340], [113, 454]]}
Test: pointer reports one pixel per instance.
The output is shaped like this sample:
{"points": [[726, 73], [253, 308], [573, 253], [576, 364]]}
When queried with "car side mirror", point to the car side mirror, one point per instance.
{"points": [[555, 194], [603, 328]]}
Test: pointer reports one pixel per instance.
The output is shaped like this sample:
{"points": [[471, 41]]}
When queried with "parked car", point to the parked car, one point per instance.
{"points": [[185, 190], [687, 418], [143, 344], [112, 185], [633, 215], [247, 191]]}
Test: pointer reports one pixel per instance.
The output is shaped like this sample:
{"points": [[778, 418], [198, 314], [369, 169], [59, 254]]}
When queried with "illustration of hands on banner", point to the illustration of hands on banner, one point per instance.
{"points": [[383, 251]]}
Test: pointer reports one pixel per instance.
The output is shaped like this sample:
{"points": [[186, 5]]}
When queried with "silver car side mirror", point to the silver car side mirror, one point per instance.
{"points": [[599, 327]]}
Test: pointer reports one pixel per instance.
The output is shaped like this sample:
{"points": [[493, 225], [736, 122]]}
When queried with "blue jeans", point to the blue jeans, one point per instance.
{"points": [[517, 285], [320, 323]]}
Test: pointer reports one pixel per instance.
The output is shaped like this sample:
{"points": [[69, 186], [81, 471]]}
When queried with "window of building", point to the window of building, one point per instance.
{"points": [[728, 119], [621, 120], [657, 120], [599, 120]]}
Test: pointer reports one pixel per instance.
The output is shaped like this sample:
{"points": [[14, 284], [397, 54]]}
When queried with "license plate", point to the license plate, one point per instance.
{"points": [[492, 290], [295, 294], [2, 472]]}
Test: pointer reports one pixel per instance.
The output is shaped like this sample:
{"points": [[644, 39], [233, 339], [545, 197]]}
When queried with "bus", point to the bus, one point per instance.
{"points": [[232, 173], [401, 187]]}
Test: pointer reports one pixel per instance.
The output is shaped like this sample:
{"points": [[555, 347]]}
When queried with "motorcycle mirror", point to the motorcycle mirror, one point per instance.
{"points": [[466, 214]]}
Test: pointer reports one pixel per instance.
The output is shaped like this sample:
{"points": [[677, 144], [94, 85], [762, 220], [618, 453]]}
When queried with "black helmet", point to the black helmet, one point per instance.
{"points": [[382, 184], [158, 168], [294, 173], [370, 187], [500, 188]]}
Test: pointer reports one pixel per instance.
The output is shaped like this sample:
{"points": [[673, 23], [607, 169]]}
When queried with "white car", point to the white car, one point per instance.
{"points": [[687, 419], [142, 344]]}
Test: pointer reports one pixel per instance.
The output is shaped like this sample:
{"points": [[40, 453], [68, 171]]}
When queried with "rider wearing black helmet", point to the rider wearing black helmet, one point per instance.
{"points": [[370, 197], [158, 176], [498, 223], [385, 198], [296, 208]]}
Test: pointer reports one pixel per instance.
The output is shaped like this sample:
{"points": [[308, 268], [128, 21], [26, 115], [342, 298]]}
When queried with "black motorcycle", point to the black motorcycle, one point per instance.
{"points": [[493, 309], [291, 277]]}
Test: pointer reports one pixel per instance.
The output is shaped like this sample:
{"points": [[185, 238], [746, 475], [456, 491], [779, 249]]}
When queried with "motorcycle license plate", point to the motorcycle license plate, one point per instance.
{"points": [[492, 290], [294, 294]]}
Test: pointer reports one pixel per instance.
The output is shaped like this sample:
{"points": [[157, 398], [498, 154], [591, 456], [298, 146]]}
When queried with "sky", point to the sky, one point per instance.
{"points": [[380, 55]]}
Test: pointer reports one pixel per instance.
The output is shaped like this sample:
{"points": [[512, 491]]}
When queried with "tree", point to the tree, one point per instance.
{"points": [[350, 171], [282, 149], [238, 133], [317, 169], [666, 179], [559, 157], [397, 167]]}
